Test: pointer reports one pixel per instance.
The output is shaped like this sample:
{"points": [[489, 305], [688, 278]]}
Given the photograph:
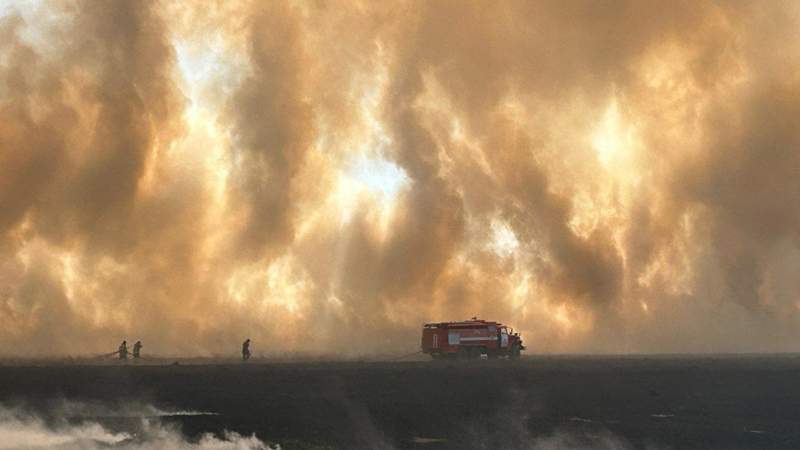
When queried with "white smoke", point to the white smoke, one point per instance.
{"points": [[75, 409], [562, 440], [75, 425], [24, 430]]}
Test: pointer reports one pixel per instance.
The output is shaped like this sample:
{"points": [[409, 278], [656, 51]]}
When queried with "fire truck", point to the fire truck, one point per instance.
{"points": [[470, 339]]}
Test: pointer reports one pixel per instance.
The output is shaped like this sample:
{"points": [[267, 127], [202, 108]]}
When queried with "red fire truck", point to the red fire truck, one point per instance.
{"points": [[470, 339]]}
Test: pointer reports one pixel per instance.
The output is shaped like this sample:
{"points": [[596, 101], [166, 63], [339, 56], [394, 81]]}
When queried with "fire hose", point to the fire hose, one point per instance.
{"points": [[106, 355], [396, 358], [406, 356]]}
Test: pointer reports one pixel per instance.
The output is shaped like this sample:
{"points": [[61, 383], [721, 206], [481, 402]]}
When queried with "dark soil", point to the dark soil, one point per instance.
{"points": [[616, 402]]}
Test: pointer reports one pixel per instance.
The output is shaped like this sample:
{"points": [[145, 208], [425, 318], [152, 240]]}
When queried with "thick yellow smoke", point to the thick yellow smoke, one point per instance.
{"points": [[324, 177]]}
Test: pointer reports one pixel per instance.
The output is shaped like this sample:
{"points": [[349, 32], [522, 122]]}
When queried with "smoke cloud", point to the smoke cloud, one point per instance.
{"points": [[324, 177], [64, 428], [69, 425]]}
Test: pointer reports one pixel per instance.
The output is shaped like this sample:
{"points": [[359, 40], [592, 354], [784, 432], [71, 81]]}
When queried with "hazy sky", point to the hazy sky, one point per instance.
{"points": [[325, 177]]}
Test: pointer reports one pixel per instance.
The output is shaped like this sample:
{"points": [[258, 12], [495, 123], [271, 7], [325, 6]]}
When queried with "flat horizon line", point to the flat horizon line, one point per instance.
{"points": [[366, 358]]}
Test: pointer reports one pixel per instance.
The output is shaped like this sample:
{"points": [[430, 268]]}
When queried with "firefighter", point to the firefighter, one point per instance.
{"points": [[246, 350], [137, 349], [123, 350]]}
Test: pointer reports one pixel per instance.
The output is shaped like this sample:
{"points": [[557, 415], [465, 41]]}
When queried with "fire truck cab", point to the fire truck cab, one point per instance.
{"points": [[470, 339]]}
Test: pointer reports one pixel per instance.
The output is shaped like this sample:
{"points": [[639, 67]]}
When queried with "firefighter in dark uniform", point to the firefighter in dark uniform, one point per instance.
{"points": [[246, 350], [137, 349], [123, 350]]}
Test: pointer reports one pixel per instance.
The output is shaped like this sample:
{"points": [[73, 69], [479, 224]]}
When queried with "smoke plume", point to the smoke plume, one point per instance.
{"points": [[324, 177], [69, 427]]}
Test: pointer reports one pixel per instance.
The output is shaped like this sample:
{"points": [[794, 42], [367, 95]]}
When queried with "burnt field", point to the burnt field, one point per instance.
{"points": [[536, 402]]}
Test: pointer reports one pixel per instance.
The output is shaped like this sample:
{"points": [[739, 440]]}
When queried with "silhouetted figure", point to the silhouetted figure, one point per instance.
{"points": [[246, 350], [123, 350], [137, 349]]}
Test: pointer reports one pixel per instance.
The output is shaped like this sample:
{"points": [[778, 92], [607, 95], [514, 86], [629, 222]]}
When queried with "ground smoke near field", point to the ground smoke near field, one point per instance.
{"points": [[20, 429], [77, 425]]}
